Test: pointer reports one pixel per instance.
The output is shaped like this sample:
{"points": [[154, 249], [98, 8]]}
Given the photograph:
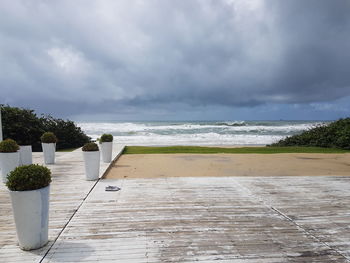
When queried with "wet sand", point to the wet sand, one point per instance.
{"points": [[195, 165]]}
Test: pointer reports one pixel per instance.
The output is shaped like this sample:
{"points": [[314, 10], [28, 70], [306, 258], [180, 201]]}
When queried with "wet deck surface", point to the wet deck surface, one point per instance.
{"points": [[227, 219], [68, 191], [222, 219]]}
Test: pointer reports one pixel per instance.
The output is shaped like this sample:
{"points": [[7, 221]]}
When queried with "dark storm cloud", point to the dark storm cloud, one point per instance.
{"points": [[74, 57]]}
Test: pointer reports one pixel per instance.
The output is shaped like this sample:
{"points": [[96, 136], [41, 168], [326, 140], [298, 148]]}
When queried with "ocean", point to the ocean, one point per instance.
{"points": [[197, 132]]}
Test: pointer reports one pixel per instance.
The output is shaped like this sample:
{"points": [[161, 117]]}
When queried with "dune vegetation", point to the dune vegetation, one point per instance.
{"points": [[333, 135]]}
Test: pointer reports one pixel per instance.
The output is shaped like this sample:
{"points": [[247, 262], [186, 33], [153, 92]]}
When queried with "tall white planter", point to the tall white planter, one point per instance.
{"points": [[31, 214], [106, 149], [49, 150], [25, 155], [8, 162], [92, 165]]}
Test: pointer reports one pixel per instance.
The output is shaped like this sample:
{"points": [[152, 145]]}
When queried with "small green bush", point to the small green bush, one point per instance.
{"points": [[8, 146], [28, 177], [48, 137], [90, 147], [106, 138]]}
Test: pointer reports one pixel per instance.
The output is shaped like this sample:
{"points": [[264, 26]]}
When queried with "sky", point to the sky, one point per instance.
{"points": [[177, 60]]}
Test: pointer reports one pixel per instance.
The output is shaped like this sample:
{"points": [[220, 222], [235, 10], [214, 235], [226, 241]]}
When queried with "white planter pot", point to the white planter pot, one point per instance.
{"points": [[92, 165], [49, 150], [106, 149], [31, 213], [25, 155], [8, 162]]}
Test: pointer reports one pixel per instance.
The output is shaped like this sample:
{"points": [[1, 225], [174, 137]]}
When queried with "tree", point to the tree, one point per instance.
{"points": [[22, 125], [25, 127], [69, 135]]}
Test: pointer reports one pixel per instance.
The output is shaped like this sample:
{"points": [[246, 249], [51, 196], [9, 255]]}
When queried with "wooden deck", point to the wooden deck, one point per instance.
{"points": [[229, 219], [222, 219], [68, 191]]}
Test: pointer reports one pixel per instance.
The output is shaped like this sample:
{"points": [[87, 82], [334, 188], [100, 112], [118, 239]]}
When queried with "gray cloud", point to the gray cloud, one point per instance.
{"points": [[78, 57]]}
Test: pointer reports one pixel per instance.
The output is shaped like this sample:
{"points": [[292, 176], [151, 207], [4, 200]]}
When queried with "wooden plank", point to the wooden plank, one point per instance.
{"points": [[227, 219], [68, 191]]}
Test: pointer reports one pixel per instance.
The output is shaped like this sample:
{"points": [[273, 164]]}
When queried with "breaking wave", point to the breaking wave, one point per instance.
{"points": [[197, 133], [233, 124]]}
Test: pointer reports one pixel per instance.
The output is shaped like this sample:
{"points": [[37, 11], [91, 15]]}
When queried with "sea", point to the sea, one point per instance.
{"points": [[206, 133]]}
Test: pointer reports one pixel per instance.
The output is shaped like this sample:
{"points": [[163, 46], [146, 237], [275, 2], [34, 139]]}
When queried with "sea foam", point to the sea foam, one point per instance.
{"points": [[197, 133]]}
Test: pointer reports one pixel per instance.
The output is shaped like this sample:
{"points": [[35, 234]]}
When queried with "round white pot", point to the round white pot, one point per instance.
{"points": [[25, 155], [8, 162], [49, 150], [31, 213], [106, 149], [92, 165]]}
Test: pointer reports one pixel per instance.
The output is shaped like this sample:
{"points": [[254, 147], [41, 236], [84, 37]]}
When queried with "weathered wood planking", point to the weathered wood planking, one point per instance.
{"points": [[225, 219], [68, 191]]}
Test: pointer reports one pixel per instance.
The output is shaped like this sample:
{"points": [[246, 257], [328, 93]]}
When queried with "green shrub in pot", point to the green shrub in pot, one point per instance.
{"points": [[8, 146], [48, 143], [91, 155], [106, 142], [9, 157], [48, 137], [28, 177], [29, 188], [106, 138], [90, 147]]}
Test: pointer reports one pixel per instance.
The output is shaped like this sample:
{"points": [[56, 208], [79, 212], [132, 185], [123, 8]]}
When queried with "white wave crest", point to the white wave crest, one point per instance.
{"points": [[214, 133]]}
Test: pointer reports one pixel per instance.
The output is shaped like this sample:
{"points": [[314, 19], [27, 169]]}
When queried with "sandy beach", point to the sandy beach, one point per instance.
{"points": [[195, 165]]}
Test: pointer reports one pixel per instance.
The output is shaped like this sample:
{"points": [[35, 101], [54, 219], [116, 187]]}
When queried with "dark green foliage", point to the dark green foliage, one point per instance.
{"points": [[90, 147], [8, 146], [69, 135], [333, 135], [106, 138], [22, 125], [28, 177], [48, 137], [25, 127]]}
